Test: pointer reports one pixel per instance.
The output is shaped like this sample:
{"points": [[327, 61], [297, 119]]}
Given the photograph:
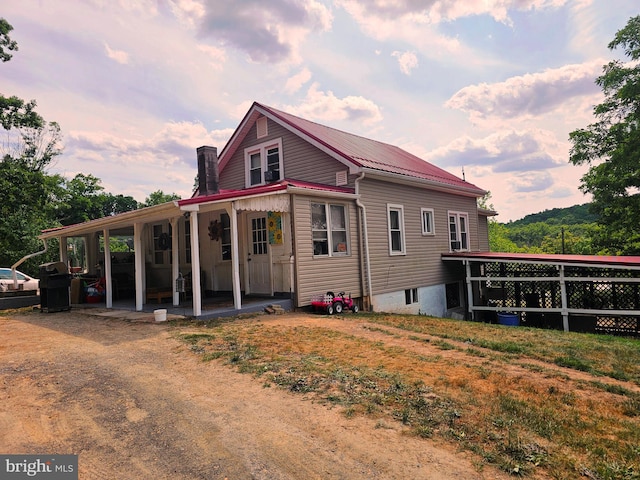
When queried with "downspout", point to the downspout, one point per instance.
{"points": [[27, 257], [365, 258]]}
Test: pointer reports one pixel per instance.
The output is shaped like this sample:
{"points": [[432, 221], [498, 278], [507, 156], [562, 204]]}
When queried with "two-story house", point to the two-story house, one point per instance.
{"points": [[294, 208]]}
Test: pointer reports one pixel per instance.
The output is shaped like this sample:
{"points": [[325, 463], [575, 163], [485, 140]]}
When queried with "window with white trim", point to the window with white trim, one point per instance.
{"points": [[458, 231], [395, 215], [162, 244], [411, 296], [428, 227], [263, 163], [329, 229]]}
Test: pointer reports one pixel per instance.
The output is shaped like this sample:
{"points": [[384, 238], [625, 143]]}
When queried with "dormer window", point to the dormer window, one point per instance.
{"points": [[263, 163]]}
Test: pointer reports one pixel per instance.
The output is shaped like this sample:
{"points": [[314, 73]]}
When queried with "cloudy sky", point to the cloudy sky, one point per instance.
{"points": [[489, 86]]}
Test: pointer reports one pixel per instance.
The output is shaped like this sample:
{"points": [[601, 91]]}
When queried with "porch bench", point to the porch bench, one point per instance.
{"points": [[158, 294]]}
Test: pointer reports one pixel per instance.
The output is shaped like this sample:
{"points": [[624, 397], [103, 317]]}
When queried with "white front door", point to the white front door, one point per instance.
{"points": [[258, 258]]}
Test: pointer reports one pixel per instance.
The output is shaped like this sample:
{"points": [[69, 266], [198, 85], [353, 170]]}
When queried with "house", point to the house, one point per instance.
{"points": [[291, 208]]}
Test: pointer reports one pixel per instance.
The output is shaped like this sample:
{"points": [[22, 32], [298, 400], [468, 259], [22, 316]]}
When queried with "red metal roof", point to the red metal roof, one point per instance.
{"points": [[280, 186], [353, 150], [600, 260], [371, 154]]}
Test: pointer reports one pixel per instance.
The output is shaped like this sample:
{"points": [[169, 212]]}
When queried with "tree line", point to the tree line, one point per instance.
{"points": [[570, 230]]}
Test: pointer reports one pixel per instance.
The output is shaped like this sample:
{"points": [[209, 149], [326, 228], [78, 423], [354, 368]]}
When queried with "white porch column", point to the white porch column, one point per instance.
{"points": [[139, 264], [563, 299], [195, 266], [64, 254], [107, 269], [235, 258], [175, 259]]}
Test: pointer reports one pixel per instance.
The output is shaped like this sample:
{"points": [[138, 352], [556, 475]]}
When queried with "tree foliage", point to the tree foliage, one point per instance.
{"points": [[611, 147], [559, 230], [83, 198], [6, 44], [158, 197], [29, 145]]}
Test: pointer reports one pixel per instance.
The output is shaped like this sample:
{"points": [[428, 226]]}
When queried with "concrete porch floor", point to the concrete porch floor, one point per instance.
{"points": [[215, 307]]}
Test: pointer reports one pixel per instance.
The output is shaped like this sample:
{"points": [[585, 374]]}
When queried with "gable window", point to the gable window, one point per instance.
{"points": [[428, 227], [263, 163], [396, 229], [255, 169], [261, 127], [458, 231], [329, 229]]}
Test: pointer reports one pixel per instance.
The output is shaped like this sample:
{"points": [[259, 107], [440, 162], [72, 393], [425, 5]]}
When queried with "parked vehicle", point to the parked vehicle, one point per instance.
{"points": [[332, 303], [25, 282]]}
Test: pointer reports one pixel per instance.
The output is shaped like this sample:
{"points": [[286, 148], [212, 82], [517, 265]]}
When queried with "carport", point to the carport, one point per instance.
{"points": [[587, 293]]}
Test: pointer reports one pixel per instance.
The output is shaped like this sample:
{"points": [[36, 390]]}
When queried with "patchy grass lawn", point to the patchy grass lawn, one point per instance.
{"points": [[538, 403]]}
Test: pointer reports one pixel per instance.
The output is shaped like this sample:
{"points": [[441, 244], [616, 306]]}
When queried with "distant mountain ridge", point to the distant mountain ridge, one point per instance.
{"points": [[558, 216]]}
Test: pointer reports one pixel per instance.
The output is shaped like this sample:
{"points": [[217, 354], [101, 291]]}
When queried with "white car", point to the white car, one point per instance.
{"points": [[25, 282]]}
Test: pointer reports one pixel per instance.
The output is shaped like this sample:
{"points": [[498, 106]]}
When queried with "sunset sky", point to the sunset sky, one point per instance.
{"points": [[492, 87]]}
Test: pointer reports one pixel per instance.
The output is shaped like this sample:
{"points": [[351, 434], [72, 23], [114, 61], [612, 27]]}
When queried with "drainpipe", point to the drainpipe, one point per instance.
{"points": [[367, 264], [27, 257]]}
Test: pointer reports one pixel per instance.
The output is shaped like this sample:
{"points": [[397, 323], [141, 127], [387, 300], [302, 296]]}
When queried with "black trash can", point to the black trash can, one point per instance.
{"points": [[54, 287]]}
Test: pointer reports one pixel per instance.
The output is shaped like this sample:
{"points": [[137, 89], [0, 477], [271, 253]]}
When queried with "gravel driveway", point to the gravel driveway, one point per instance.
{"points": [[135, 403]]}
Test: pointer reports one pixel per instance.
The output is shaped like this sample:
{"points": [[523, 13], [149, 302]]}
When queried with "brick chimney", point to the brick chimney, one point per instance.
{"points": [[207, 170]]}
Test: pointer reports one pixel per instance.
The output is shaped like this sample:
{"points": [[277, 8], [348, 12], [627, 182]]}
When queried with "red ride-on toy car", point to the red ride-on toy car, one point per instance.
{"points": [[334, 303]]}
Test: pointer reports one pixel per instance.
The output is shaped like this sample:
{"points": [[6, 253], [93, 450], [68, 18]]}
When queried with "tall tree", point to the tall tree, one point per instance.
{"points": [[83, 198], [28, 146], [611, 146]]}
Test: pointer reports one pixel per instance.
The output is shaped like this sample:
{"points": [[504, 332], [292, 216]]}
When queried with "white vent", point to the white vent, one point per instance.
{"points": [[261, 127], [341, 178]]}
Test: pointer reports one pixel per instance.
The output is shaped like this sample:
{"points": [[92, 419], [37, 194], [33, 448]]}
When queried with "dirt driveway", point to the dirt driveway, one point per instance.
{"points": [[134, 403]]}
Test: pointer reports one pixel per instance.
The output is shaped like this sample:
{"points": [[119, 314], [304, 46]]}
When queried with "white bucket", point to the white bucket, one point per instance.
{"points": [[160, 314]]}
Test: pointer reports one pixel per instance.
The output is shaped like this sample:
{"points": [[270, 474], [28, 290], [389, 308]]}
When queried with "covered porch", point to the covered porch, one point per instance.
{"points": [[187, 254]]}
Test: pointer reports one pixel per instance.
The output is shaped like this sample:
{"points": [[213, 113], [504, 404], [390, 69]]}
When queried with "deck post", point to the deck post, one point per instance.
{"points": [[563, 298]]}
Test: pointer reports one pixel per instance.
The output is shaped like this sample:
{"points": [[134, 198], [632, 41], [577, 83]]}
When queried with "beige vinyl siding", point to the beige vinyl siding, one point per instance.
{"points": [[421, 265], [318, 275], [483, 233], [302, 161]]}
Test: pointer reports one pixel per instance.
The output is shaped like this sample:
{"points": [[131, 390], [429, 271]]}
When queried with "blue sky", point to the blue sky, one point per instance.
{"points": [[489, 86]]}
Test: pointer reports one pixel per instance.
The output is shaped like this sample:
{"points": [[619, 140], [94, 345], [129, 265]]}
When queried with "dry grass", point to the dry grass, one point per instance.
{"points": [[534, 402]]}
